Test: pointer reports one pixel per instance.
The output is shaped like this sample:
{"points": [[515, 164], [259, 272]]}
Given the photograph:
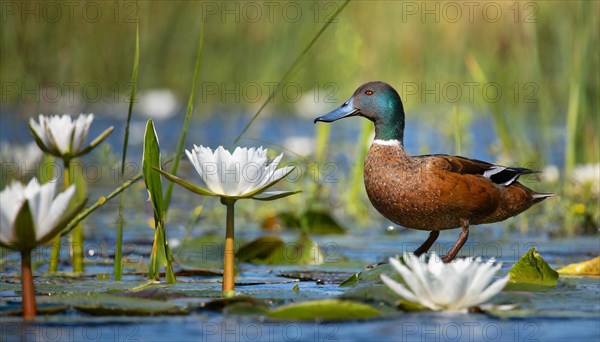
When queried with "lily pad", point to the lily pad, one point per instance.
{"points": [[187, 272], [270, 250], [331, 277], [246, 304], [588, 267], [203, 252], [103, 304], [326, 310], [263, 250], [372, 275], [312, 222], [372, 293], [45, 309], [531, 273]]}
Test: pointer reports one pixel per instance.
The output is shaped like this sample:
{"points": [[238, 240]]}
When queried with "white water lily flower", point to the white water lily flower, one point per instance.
{"points": [[31, 214], [452, 286], [244, 173], [63, 137], [23, 155]]}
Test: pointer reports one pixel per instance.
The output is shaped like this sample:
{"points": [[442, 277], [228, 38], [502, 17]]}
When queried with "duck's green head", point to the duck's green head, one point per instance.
{"points": [[378, 102]]}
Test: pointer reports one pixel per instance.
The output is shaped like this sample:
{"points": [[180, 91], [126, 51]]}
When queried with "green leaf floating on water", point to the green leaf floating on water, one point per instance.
{"points": [[531, 273], [588, 267], [372, 276], [271, 250], [103, 304], [325, 309], [312, 222]]}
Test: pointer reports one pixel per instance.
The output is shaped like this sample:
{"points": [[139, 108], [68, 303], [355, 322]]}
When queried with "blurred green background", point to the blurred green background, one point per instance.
{"points": [[530, 67]]}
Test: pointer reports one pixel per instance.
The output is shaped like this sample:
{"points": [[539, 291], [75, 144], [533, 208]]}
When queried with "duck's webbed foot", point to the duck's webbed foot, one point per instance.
{"points": [[462, 238], [428, 243]]}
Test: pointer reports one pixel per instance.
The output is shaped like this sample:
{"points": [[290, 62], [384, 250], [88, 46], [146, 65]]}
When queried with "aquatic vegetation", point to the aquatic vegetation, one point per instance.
{"points": [[246, 173], [64, 138], [587, 267], [30, 216], [453, 286], [161, 251], [288, 290], [531, 272]]}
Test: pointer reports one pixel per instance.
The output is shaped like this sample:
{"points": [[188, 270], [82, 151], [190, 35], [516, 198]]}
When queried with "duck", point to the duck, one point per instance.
{"points": [[430, 192]]}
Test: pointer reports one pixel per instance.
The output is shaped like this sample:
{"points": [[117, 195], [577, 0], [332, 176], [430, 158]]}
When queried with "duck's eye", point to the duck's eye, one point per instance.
{"points": [[369, 92]]}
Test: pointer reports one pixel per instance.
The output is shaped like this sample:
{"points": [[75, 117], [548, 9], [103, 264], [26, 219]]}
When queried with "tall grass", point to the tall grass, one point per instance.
{"points": [[188, 117], [118, 265], [557, 54], [287, 74]]}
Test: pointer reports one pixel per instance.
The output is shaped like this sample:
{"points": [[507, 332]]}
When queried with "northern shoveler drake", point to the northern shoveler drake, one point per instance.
{"points": [[430, 192]]}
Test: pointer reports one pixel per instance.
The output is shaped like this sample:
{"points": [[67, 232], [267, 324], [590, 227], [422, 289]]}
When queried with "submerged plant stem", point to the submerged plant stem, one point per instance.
{"points": [[228, 258], [118, 265], [161, 255], [29, 306], [55, 255], [77, 239]]}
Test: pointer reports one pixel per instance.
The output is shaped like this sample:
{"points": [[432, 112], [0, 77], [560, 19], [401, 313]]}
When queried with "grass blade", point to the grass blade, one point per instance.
{"points": [[188, 116], [289, 71], [118, 266], [161, 253], [100, 202], [134, 76]]}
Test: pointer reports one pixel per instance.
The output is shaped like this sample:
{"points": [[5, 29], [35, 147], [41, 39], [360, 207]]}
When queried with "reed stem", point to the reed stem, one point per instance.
{"points": [[28, 292], [229, 256]]}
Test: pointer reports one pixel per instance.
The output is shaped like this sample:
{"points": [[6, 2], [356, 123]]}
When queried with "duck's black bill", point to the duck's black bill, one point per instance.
{"points": [[344, 111]]}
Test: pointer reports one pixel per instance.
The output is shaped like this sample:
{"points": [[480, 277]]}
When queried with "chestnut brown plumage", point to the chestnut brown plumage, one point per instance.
{"points": [[430, 192]]}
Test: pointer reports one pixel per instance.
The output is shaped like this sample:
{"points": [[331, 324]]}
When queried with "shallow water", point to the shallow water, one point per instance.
{"points": [[570, 311]]}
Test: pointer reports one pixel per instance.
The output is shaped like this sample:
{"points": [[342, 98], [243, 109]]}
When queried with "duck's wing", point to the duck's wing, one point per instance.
{"points": [[502, 175]]}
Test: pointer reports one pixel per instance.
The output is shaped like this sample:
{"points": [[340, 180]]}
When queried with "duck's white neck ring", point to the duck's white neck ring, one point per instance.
{"points": [[391, 142]]}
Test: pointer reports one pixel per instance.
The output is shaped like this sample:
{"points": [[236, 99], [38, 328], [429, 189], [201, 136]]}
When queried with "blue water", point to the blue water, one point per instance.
{"points": [[571, 311], [223, 127]]}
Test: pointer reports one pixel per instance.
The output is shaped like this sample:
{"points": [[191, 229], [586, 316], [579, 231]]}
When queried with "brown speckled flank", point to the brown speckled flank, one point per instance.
{"points": [[433, 192]]}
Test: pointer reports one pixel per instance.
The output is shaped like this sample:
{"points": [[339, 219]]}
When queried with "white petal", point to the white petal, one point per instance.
{"points": [[271, 169], [192, 156], [492, 290], [419, 271], [399, 289], [209, 167], [412, 279], [82, 127], [280, 173], [56, 210], [452, 286], [229, 171], [253, 171], [11, 200], [40, 198], [483, 275], [60, 130], [38, 127]]}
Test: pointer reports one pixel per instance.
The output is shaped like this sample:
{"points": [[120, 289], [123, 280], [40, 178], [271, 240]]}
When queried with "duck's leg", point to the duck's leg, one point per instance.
{"points": [[428, 243], [462, 238]]}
